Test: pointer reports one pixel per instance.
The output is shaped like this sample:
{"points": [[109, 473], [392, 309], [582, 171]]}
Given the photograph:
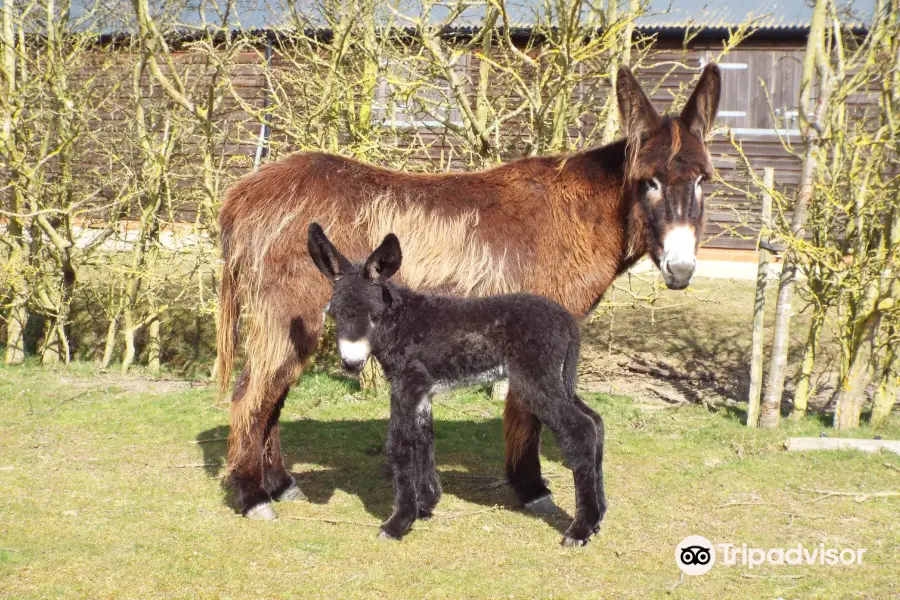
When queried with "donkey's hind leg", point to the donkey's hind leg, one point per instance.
{"points": [[280, 484], [304, 333], [282, 335], [601, 437], [249, 425], [522, 437], [255, 463]]}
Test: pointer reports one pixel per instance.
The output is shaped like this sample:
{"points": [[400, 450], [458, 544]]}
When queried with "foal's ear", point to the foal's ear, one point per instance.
{"points": [[638, 115], [326, 257], [384, 261], [699, 113]]}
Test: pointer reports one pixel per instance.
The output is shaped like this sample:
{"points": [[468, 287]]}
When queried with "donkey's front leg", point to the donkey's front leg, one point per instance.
{"points": [[402, 454]]}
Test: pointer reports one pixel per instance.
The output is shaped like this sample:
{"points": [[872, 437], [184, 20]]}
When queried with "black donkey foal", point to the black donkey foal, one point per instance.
{"points": [[428, 344]]}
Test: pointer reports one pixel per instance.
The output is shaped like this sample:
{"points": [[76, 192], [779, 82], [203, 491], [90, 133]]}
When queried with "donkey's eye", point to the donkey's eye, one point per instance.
{"points": [[698, 186], [654, 190]]}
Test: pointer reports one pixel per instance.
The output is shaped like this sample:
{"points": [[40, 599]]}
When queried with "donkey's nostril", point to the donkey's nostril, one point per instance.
{"points": [[353, 366], [680, 270]]}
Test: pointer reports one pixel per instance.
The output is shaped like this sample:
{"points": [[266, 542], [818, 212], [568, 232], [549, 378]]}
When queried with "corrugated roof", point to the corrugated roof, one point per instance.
{"points": [[761, 14], [659, 15]]}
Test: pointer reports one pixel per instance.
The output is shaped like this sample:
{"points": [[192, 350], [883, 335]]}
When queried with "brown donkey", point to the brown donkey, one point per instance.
{"points": [[560, 226]]}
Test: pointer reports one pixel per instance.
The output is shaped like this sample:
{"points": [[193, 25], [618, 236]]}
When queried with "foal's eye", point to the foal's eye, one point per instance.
{"points": [[653, 184]]}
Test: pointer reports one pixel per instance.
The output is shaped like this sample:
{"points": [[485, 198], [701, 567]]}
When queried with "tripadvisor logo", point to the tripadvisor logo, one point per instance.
{"points": [[696, 555]]}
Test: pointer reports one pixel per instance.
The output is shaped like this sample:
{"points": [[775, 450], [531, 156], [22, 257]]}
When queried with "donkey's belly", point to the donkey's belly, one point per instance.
{"points": [[470, 379]]}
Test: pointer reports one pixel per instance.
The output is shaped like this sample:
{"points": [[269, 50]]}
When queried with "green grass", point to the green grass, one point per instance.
{"points": [[104, 493]]}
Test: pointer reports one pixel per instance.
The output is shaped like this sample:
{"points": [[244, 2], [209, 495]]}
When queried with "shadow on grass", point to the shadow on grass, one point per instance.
{"points": [[349, 456]]}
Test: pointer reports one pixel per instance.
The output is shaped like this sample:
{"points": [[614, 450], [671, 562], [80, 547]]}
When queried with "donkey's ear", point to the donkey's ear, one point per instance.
{"points": [[638, 115], [699, 113], [385, 260], [326, 257]]}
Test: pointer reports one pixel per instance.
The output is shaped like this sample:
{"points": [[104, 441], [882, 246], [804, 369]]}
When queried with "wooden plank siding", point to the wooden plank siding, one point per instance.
{"points": [[760, 91]]}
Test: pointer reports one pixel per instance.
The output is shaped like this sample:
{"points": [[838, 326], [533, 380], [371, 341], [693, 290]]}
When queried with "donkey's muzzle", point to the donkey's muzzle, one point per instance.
{"points": [[353, 354], [679, 256], [353, 366], [678, 273]]}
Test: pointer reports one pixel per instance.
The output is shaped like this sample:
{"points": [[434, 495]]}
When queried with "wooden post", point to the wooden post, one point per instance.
{"points": [[759, 305], [810, 125], [153, 346]]}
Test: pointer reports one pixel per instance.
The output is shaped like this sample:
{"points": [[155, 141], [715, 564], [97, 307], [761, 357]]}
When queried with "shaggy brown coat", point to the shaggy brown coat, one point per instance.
{"points": [[560, 226]]}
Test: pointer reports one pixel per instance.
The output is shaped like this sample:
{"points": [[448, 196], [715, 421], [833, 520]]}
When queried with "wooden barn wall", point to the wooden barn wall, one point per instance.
{"points": [[760, 87], [760, 80]]}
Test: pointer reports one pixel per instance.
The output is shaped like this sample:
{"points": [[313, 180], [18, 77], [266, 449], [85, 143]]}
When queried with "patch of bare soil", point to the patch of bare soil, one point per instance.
{"points": [[657, 381], [651, 381], [693, 347], [140, 384]]}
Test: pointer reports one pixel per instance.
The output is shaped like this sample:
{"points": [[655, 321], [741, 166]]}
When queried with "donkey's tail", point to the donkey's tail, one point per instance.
{"points": [[229, 322]]}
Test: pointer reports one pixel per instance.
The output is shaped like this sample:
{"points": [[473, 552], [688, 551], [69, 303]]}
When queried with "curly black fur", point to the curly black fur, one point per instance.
{"points": [[429, 343]]}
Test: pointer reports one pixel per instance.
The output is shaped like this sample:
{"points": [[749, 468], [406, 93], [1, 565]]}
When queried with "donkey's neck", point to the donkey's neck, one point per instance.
{"points": [[609, 171]]}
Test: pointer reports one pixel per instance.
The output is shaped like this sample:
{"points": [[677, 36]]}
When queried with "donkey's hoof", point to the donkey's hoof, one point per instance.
{"points": [[292, 494], [261, 512], [384, 535], [571, 542], [542, 506]]}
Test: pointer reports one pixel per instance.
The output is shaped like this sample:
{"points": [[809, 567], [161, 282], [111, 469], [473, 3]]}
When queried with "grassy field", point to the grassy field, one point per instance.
{"points": [[106, 493]]}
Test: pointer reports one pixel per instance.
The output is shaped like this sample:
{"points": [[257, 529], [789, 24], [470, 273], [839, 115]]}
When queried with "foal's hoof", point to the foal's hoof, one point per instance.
{"points": [[542, 506], [291, 494], [384, 535], [261, 512], [570, 542]]}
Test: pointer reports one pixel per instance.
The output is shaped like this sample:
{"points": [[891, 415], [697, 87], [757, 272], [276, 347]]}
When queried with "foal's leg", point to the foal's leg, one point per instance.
{"points": [[428, 485], [601, 437], [577, 436], [403, 454], [522, 437]]}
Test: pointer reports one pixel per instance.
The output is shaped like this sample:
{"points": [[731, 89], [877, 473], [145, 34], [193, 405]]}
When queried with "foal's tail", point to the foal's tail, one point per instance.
{"points": [[570, 363], [229, 322]]}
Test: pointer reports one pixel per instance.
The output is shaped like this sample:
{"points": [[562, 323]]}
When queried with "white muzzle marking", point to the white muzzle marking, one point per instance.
{"points": [[679, 245], [354, 352]]}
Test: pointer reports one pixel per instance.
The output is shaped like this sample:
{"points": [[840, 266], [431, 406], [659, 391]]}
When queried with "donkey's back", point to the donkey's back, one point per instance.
{"points": [[468, 233]]}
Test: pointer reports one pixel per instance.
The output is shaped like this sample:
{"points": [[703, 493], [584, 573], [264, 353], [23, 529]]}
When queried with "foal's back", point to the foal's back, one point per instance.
{"points": [[465, 340]]}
